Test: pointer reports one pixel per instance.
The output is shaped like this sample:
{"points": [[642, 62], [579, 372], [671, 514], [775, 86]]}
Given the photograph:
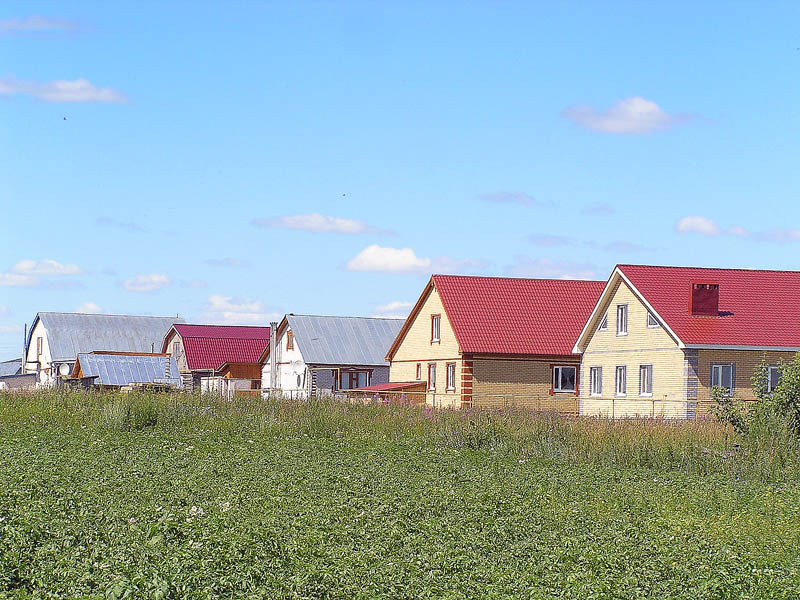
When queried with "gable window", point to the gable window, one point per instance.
{"points": [[603, 326], [564, 379], [645, 380], [622, 319], [451, 376], [432, 377], [38, 347], [773, 378], [176, 347], [596, 381], [621, 381], [419, 371], [435, 322], [289, 340], [722, 377], [651, 321]]}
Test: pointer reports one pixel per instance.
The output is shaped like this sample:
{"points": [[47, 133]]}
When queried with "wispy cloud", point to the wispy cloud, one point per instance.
{"points": [[45, 266], [513, 198], [599, 208], [228, 310], [227, 262], [548, 268], [193, 283], [379, 259], [35, 24], [623, 247], [89, 307], [78, 90], [318, 223], [123, 225], [16, 280], [710, 228], [10, 328], [149, 282], [547, 240], [631, 116], [393, 310], [695, 224]]}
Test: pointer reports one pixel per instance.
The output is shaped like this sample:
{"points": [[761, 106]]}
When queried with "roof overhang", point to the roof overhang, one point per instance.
{"points": [[743, 347], [616, 276]]}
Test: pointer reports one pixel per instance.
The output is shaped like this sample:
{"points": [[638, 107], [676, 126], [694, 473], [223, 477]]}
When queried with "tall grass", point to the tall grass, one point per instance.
{"points": [[703, 446]]}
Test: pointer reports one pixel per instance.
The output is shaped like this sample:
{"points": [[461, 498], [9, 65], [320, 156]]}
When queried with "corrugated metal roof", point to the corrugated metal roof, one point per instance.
{"points": [[69, 334], [10, 367], [124, 369], [343, 340]]}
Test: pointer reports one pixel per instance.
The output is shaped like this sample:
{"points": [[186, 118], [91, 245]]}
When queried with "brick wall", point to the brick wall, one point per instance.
{"points": [[745, 361]]}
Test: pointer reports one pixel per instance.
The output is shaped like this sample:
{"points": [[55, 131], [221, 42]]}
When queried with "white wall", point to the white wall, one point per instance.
{"points": [[47, 375], [291, 370]]}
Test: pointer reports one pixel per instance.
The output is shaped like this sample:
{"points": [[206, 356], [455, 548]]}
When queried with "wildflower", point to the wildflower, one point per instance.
{"points": [[225, 507], [132, 520]]}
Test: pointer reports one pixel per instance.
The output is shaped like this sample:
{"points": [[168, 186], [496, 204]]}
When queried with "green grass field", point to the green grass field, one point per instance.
{"points": [[145, 497]]}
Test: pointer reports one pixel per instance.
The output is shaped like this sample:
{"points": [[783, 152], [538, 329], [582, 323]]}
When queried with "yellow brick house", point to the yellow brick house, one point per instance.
{"points": [[495, 342], [660, 338]]}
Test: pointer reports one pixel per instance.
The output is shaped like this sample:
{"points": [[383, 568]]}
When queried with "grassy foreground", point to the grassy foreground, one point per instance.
{"points": [[108, 496]]}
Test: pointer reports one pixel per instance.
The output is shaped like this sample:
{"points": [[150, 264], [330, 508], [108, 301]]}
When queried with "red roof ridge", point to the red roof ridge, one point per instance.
{"points": [[517, 278], [734, 269]]}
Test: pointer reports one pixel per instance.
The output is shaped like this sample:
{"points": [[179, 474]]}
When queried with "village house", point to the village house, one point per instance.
{"points": [[495, 341], [207, 353], [318, 355], [660, 338], [117, 370], [55, 339]]}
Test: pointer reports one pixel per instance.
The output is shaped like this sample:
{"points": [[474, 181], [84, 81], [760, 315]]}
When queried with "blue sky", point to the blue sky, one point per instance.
{"points": [[231, 162]]}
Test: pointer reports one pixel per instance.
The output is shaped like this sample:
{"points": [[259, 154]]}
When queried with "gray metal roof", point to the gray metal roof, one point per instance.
{"points": [[124, 369], [69, 334], [344, 340], [10, 367]]}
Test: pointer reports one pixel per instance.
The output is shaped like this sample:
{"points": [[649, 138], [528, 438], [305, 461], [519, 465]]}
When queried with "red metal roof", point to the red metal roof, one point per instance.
{"points": [[507, 315], [210, 346], [756, 308]]}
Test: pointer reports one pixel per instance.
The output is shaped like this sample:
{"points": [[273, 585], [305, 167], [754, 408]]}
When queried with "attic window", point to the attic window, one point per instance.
{"points": [[435, 322], [651, 321], [289, 340], [603, 323]]}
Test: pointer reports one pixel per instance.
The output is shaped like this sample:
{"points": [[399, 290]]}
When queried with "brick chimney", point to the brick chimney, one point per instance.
{"points": [[704, 299]]}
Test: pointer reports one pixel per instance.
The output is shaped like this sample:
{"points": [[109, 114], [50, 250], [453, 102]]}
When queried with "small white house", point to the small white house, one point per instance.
{"points": [[320, 355]]}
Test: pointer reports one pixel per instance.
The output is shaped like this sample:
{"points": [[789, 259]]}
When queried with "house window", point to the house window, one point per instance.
{"points": [[621, 384], [419, 371], [596, 381], [645, 380], [451, 376], [722, 377], [622, 319], [38, 347], [432, 376], [564, 379], [354, 379], [773, 378], [435, 321], [176, 346], [603, 323], [651, 321], [289, 340]]}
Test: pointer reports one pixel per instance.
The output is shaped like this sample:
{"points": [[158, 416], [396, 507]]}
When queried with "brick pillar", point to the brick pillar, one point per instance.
{"points": [[690, 363], [466, 383]]}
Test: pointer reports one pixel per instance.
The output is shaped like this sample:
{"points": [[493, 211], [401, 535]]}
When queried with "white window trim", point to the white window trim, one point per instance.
{"points": [[617, 379], [592, 379], [448, 387], [432, 380], [558, 390], [619, 333], [436, 330], [650, 393], [603, 326], [655, 324]]}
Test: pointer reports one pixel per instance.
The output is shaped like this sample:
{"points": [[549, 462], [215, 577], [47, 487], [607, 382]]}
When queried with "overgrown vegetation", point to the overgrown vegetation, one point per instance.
{"points": [[145, 496]]}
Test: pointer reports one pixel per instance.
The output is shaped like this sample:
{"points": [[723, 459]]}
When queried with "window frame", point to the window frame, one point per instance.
{"points": [[603, 325], [419, 371], [649, 369], [624, 379], [39, 347], [654, 324], [451, 366], [432, 377], [771, 368], [721, 366], [436, 329], [596, 377], [289, 340], [557, 389], [624, 309]]}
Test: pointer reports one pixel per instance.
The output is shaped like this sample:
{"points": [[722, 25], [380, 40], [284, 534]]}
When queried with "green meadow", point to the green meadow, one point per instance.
{"points": [[145, 496]]}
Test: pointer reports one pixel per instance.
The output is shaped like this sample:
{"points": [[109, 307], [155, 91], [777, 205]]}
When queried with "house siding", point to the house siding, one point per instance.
{"points": [[641, 346], [416, 347]]}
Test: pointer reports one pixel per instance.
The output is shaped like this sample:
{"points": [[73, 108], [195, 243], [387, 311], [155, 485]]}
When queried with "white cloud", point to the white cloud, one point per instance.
{"points": [[228, 310], [702, 225], [633, 115], [548, 268], [45, 266], [227, 262], [35, 24], [16, 280], [317, 223], [90, 308], [378, 259], [78, 90], [147, 283], [393, 310]]}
